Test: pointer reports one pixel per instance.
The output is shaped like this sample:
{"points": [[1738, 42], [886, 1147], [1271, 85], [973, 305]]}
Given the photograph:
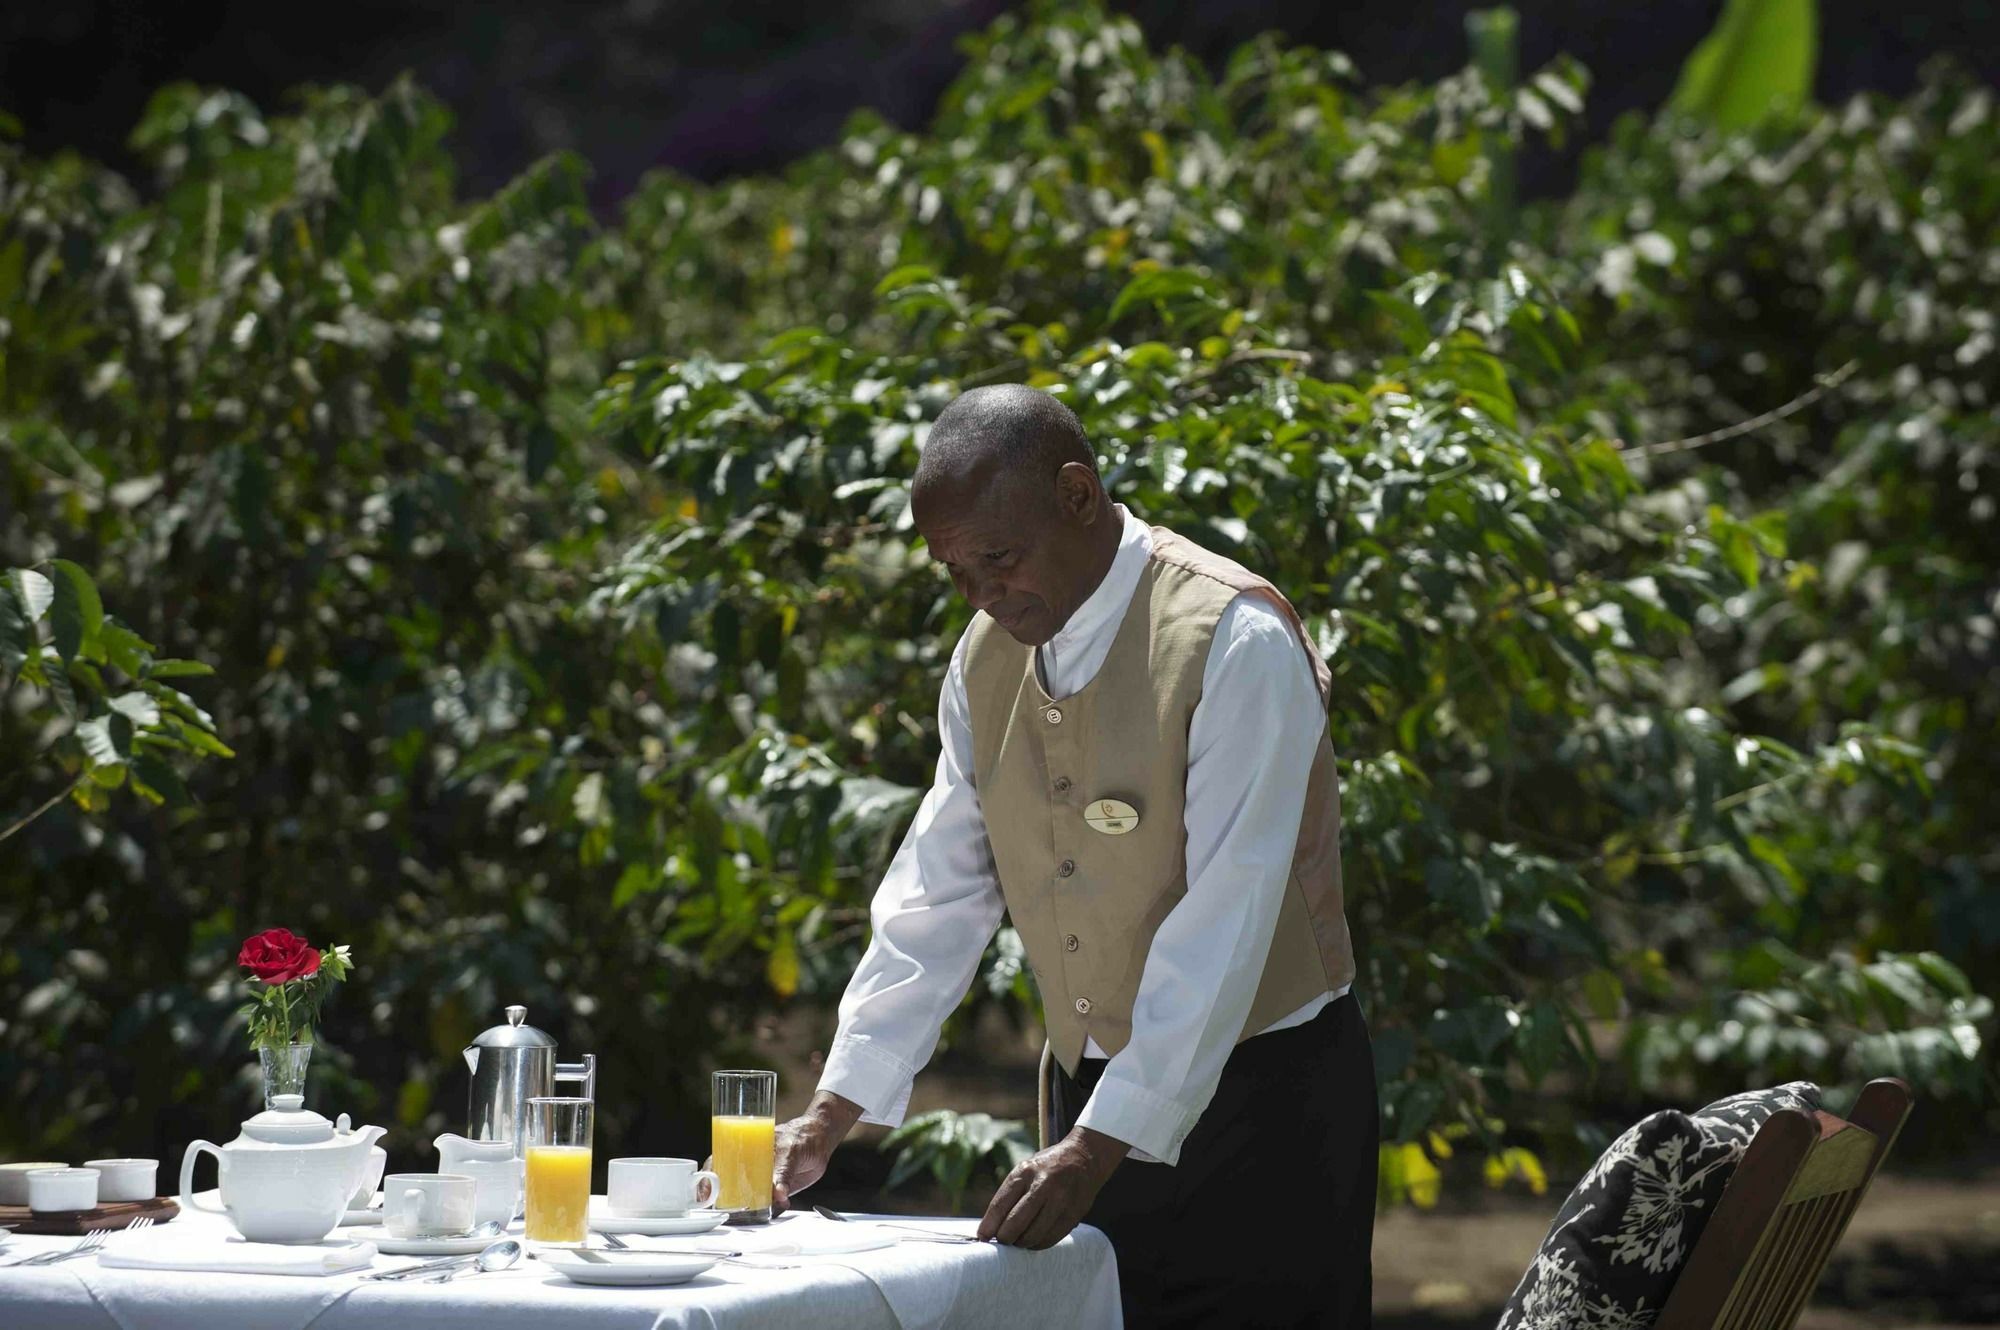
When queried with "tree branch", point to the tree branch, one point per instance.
{"points": [[47, 804], [1827, 383]]}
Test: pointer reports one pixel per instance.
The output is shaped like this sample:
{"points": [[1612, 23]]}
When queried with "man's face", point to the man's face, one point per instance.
{"points": [[1018, 552]]}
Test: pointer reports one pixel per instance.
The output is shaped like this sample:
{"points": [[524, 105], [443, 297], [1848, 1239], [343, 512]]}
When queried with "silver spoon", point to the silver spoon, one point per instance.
{"points": [[497, 1256], [824, 1213], [492, 1228]]}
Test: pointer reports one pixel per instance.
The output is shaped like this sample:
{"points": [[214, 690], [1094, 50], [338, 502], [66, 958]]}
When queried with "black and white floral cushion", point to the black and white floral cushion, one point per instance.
{"points": [[1619, 1241]]}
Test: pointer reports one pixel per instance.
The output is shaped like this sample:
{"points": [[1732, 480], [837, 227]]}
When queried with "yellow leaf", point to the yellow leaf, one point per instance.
{"points": [[1618, 867], [1421, 1176], [689, 508], [275, 656], [784, 239], [1440, 1146], [1603, 994], [783, 968], [1515, 1162]]}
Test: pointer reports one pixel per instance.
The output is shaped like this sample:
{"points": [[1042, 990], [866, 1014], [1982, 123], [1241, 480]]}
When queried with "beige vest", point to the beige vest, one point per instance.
{"points": [[1086, 904]]}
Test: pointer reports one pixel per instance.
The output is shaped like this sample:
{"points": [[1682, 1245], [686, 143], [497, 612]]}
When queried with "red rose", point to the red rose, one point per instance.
{"points": [[278, 956]]}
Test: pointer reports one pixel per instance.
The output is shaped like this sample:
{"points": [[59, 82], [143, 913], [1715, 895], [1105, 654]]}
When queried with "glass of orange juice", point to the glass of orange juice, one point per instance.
{"points": [[744, 1133], [558, 1204]]}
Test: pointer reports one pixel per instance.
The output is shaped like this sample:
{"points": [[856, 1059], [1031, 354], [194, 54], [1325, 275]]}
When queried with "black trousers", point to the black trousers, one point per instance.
{"points": [[1268, 1217]]}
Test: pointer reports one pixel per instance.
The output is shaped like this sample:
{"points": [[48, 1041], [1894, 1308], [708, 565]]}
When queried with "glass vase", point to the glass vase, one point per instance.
{"points": [[284, 1070]]}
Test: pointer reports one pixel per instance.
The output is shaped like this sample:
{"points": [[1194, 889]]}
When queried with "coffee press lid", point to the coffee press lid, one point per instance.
{"points": [[514, 1034]]}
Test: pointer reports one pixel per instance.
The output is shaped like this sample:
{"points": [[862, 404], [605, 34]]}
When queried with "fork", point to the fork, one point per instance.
{"points": [[83, 1246]]}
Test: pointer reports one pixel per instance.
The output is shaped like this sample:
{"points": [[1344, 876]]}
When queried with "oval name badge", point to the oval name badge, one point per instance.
{"points": [[1113, 817]]}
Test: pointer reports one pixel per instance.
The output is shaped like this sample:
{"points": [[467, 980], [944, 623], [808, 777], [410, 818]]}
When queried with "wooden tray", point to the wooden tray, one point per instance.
{"points": [[72, 1222]]}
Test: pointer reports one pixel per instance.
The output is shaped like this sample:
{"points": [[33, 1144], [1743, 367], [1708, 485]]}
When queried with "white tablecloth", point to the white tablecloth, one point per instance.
{"points": [[911, 1286]]}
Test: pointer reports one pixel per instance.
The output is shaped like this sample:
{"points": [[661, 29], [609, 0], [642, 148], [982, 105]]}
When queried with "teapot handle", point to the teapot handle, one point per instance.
{"points": [[187, 1176], [585, 1071]]}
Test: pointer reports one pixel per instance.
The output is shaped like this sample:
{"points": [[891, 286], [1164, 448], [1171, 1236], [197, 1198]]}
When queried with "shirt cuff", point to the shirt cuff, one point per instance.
{"points": [[860, 1070], [1153, 1126]]}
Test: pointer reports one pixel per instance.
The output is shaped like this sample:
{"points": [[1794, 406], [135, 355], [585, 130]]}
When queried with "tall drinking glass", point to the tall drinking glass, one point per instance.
{"points": [[558, 1206], [744, 1135]]}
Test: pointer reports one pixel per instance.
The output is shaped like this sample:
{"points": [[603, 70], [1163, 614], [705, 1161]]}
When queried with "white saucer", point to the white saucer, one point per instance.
{"points": [[458, 1246], [625, 1268], [602, 1220]]}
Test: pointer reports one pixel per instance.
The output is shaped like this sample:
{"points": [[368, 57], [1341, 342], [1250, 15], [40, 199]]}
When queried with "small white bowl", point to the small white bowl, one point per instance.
{"points": [[59, 1189], [14, 1180], [125, 1179]]}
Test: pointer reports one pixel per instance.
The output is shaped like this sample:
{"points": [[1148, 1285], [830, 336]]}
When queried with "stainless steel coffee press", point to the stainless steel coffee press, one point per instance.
{"points": [[510, 1064]]}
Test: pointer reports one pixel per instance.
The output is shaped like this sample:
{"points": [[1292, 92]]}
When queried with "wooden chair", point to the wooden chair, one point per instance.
{"points": [[1787, 1204]]}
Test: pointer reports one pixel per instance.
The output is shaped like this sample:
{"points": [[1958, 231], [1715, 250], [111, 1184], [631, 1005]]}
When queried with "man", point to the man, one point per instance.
{"points": [[1136, 768]]}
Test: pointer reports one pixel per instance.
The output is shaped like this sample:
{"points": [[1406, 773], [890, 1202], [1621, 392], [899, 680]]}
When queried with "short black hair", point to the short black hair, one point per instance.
{"points": [[1005, 429]]}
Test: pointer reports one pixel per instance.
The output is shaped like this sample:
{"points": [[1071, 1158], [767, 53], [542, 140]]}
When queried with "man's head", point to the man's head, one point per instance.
{"points": [[1008, 499]]}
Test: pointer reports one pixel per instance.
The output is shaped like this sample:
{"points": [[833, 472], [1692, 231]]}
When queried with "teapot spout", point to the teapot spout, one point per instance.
{"points": [[472, 1059]]}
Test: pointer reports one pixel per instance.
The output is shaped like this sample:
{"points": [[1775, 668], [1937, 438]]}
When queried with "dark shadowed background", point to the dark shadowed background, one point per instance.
{"points": [[714, 89]]}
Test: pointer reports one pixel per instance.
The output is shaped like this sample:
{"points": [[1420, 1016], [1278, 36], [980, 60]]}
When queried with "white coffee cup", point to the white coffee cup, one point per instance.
{"points": [[125, 1179], [14, 1179], [426, 1205], [54, 1189], [658, 1187]]}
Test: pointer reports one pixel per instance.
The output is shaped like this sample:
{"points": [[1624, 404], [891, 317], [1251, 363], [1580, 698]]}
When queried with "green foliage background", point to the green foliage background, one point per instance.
{"points": [[575, 648]]}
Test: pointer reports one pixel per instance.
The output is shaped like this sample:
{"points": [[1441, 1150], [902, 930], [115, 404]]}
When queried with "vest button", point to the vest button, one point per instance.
{"points": [[1062, 784], [1070, 943], [1083, 1006], [1054, 715], [1065, 868]]}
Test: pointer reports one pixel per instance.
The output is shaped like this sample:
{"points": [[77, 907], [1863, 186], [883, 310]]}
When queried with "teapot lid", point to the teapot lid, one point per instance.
{"points": [[288, 1122], [514, 1034]]}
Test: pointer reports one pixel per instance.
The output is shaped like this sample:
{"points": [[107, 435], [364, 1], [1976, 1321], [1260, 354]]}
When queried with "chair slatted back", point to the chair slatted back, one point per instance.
{"points": [[1791, 1197]]}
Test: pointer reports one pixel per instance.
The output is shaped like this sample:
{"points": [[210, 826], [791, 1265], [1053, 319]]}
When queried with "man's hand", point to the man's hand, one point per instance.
{"points": [[1049, 1192], [805, 1143]]}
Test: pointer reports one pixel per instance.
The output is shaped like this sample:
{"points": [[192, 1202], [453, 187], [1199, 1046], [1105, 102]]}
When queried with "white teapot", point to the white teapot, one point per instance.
{"points": [[497, 1174], [288, 1176]]}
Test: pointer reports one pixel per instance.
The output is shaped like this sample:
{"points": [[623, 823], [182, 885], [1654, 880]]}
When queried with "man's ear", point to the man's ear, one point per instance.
{"points": [[1078, 490]]}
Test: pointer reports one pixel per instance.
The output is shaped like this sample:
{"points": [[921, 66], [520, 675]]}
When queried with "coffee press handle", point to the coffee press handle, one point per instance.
{"points": [[585, 1071]]}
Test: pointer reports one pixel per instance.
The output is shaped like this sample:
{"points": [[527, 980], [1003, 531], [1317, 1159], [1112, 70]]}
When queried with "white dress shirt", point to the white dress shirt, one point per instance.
{"points": [[1250, 750]]}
